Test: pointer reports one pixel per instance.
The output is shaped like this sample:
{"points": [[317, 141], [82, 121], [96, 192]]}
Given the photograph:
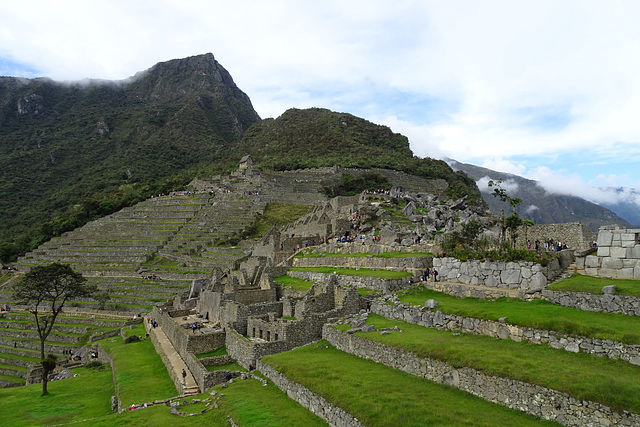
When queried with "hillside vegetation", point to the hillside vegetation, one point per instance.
{"points": [[74, 152]]}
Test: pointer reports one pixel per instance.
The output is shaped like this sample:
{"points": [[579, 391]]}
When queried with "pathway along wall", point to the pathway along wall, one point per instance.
{"points": [[450, 322], [536, 400]]}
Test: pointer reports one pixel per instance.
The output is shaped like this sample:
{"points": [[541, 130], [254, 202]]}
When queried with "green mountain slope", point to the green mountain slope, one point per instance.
{"points": [[317, 137], [61, 143]]}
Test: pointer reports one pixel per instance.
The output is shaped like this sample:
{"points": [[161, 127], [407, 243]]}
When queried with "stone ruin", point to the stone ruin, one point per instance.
{"points": [[618, 254]]}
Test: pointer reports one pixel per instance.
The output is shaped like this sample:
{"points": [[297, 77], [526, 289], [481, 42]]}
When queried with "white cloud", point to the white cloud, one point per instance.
{"points": [[511, 79], [509, 185], [562, 182], [531, 208]]}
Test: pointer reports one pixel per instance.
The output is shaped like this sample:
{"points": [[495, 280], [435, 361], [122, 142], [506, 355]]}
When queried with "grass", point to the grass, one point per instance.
{"points": [[535, 314], [363, 272], [381, 396], [594, 285], [612, 382], [219, 352], [70, 400], [226, 367], [294, 283], [140, 373]]}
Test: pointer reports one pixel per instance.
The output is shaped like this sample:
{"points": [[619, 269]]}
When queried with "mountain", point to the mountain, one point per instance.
{"points": [[537, 204], [108, 143], [628, 209], [317, 137]]}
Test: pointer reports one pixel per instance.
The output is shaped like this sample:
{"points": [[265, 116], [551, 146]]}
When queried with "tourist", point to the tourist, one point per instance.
{"points": [[435, 275], [184, 376]]}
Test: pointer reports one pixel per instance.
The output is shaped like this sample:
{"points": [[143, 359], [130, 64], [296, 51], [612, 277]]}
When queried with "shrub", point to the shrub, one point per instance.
{"points": [[132, 338]]}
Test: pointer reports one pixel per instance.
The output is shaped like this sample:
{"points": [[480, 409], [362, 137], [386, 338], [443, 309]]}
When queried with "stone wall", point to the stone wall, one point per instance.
{"points": [[526, 277], [536, 400], [591, 302], [577, 236], [451, 322], [333, 415], [618, 254], [373, 283], [415, 265]]}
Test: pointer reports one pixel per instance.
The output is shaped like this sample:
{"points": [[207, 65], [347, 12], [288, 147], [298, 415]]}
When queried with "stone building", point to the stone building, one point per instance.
{"points": [[618, 254]]}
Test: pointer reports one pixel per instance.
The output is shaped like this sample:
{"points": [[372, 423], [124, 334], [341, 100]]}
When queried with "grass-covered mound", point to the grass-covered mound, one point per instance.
{"points": [[611, 382], [381, 396], [535, 314], [294, 283], [594, 285]]}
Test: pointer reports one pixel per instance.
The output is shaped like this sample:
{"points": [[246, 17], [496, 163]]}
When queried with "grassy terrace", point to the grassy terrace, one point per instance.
{"points": [[611, 382], [311, 254], [594, 285], [364, 272], [294, 283], [381, 396], [536, 314], [141, 377]]}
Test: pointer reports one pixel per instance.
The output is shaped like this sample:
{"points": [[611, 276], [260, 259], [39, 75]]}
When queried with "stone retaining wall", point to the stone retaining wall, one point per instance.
{"points": [[415, 265], [374, 283], [333, 415], [536, 400], [527, 277], [451, 322], [591, 302]]}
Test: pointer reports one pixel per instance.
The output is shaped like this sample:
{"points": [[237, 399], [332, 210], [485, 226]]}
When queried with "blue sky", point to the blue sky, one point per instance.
{"points": [[549, 90]]}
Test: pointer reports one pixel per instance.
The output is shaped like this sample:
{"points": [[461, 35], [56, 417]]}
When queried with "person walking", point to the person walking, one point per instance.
{"points": [[184, 377]]}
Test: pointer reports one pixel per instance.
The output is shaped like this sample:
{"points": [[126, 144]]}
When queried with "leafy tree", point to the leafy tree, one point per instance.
{"points": [[45, 290], [513, 222]]}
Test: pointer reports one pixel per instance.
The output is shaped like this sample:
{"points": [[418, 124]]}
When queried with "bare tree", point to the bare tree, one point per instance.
{"points": [[45, 290]]}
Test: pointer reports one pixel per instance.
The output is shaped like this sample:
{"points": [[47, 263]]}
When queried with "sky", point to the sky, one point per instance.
{"points": [[548, 90]]}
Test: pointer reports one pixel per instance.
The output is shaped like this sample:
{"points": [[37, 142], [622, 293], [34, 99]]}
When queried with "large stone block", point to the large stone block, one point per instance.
{"points": [[628, 240], [625, 273], [605, 238], [612, 263], [510, 277], [634, 252], [592, 261], [618, 252], [580, 263]]}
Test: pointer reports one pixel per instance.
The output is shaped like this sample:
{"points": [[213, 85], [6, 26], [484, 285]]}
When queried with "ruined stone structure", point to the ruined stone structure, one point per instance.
{"points": [[577, 236], [618, 254]]}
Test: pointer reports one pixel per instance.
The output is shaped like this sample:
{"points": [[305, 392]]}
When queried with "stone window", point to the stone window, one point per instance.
{"points": [[276, 336], [254, 333], [268, 335], [260, 333]]}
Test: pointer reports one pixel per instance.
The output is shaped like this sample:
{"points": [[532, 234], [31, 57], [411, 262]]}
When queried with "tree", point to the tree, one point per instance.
{"points": [[512, 222], [45, 290]]}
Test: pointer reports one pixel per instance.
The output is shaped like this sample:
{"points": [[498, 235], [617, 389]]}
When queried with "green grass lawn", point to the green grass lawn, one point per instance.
{"points": [[381, 396], [219, 352], [594, 285], [226, 367], [536, 314], [140, 373], [612, 382], [247, 402], [364, 272], [70, 400], [294, 283]]}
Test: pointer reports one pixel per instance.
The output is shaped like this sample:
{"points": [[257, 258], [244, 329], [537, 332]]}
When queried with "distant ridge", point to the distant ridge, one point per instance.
{"points": [[540, 206]]}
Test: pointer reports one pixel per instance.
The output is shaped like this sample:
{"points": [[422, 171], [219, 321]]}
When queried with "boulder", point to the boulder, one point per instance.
{"points": [[609, 290], [431, 303]]}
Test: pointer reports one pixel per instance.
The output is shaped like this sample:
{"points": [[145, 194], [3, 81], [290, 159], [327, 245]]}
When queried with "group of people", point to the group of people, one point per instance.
{"points": [[152, 322], [547, 245], [429, 273], [5, 308]]}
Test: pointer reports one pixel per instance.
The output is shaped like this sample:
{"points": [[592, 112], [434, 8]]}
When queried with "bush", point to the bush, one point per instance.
{"points": [[132, 338], [95, 364]]}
